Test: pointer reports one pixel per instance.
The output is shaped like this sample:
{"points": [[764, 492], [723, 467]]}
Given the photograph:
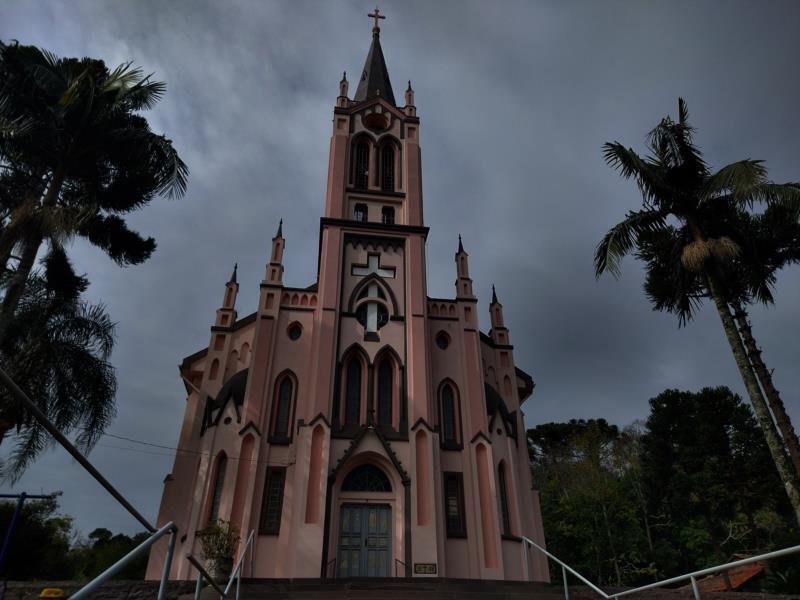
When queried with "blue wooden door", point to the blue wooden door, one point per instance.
{"points": [[364, 541]]}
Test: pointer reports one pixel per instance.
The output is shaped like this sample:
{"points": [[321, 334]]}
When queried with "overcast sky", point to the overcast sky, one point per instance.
{"points": [[516, 100]]}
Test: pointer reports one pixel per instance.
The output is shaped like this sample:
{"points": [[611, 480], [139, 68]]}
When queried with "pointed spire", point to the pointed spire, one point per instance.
{"points": [[460, 245], [494, 295], [233, 275], [280, 229], [374, 81], [343, 86]]}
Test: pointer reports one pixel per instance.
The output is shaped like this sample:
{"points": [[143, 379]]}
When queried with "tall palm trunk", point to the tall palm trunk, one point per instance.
{"points": [[30, 248], [770, 391], [774, 443]]}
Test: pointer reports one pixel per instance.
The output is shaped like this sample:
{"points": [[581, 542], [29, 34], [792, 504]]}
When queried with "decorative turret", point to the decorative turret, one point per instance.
{"points": [[374, 81], [343, 101], [226, 314], [499, 332], [275, 266], [410, 109], [463, 281]]}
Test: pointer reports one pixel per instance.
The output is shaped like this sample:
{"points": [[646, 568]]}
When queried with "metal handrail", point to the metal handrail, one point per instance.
{"points": [[564, 567], [328, 567], [170, 527], [236, 573], [87, 590], [691, 577], [405, 567]]}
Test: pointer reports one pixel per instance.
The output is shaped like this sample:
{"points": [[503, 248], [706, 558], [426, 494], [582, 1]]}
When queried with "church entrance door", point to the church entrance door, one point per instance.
{"points": [[364, 540]]}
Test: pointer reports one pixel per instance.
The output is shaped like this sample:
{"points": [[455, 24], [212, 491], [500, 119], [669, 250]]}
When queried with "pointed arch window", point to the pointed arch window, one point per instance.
{"points": [[216, 492], [387, 168], [502, 483], [385, 391], [361, 165], [283, 402], [449, 417], [352, 402]]}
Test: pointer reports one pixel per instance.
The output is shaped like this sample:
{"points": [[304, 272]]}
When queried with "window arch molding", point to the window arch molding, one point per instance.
{"points": [[449, 411], [391, 305], [352, 407], [284, 403], [388, 413]]}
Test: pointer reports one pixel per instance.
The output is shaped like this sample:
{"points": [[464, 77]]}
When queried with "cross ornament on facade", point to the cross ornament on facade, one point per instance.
{"points": [[375, 15], [373, 266]]}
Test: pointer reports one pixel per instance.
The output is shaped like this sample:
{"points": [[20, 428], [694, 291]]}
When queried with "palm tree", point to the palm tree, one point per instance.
{"points": [[706, 254], [57, 349], [75, 154]]}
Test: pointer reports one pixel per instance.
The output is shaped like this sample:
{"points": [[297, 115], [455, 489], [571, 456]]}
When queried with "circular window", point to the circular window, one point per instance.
{"points": [[442, 340], [294, 331]]}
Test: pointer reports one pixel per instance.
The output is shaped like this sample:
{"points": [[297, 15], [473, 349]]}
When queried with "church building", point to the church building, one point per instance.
{"points": [[360, 427]]}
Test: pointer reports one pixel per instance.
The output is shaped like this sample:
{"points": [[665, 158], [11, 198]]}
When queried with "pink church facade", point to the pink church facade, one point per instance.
{"points": [[359, 426]]}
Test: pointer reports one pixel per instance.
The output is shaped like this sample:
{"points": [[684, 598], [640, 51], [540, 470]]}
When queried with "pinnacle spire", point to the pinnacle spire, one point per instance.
{"points": [[494, 295], [233, 275], [280, 229], [460, 245], [374, 81]]}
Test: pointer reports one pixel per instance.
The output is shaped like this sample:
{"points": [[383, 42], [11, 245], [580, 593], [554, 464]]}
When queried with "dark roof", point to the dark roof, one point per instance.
{"points": [[232, 389], [495, 404], [374, 81]]}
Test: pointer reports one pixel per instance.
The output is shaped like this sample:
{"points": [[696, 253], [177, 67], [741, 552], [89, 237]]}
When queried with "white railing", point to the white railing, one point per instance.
{"points": [[236, 573], [691, 577]]}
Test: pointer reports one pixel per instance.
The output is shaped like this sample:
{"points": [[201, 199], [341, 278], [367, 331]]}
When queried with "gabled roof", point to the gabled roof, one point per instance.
{"points": [[374, 82]]}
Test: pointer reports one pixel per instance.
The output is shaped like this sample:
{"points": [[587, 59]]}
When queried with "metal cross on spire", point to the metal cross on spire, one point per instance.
{"points": [[376, 15]]}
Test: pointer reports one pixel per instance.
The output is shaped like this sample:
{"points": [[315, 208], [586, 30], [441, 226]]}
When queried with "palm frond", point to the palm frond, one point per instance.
{"points": [[631, 165], [786, 195], [623, 237], [737, 179]]}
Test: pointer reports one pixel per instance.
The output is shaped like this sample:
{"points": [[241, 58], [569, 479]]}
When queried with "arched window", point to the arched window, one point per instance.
{"points": [[360, 213], [281, 430], [214, 370], [387, 215], [387, 168], [385, 391], [503, 485], [352, 402], [361, 165], [366, 478], [216, 492], [449, 416]]}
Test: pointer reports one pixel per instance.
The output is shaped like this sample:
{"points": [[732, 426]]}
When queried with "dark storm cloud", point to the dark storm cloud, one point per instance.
{"points": [[516, 99]]}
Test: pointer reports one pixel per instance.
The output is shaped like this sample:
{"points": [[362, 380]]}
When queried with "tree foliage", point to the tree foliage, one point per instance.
{"points": [[45, 546], [684, 490]]}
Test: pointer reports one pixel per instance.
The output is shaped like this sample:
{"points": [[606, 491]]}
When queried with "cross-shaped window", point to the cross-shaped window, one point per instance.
{"points": [[372, 314], [373, 266]]}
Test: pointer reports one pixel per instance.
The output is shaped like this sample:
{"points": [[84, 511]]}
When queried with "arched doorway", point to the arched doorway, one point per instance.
{"points": [[365, 524]]}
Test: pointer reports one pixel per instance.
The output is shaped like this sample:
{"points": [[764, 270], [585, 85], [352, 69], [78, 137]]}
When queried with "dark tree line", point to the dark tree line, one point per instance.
{"points": [[44, 546], [688, 488]]}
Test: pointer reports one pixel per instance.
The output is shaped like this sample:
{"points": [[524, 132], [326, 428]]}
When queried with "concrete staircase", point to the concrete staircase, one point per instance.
{"points": [[396, 589]]}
